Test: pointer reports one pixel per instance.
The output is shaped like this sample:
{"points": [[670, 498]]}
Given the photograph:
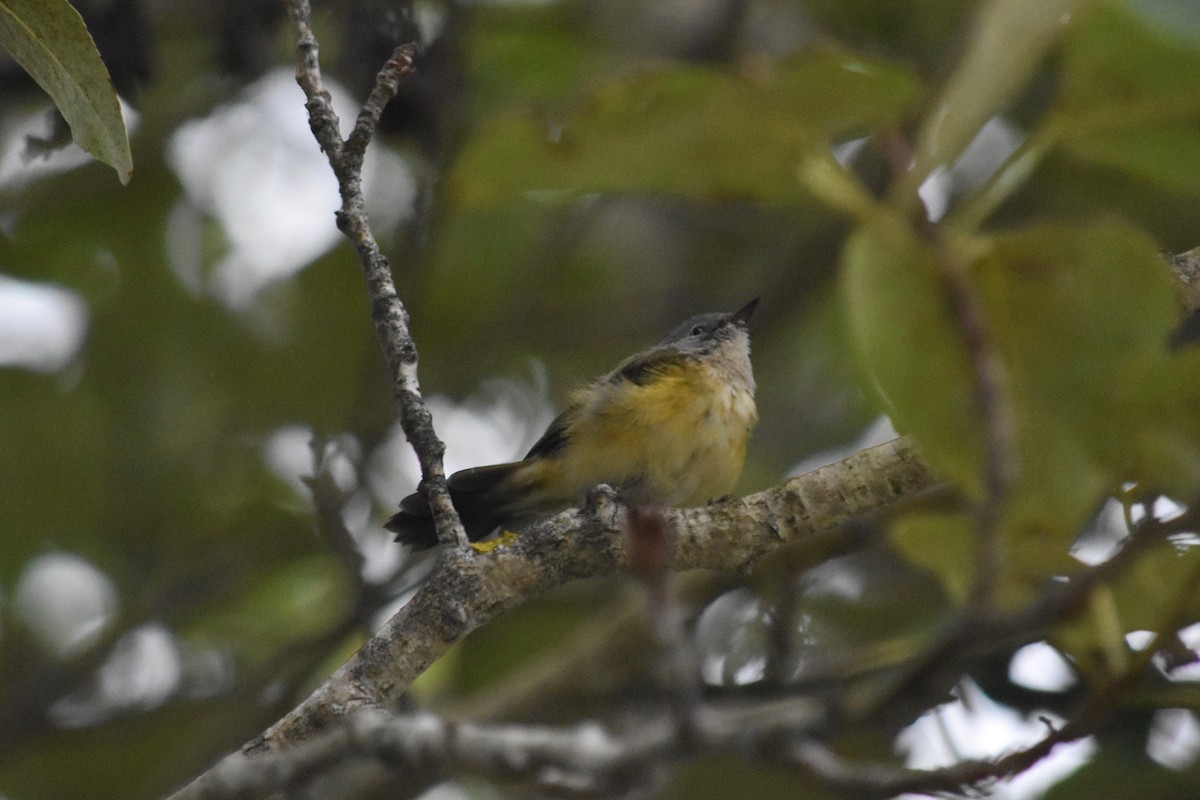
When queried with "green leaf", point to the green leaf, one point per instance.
{"points": [[531, 56], [685, 130], [49, 40], [1006, 44], [1170, 156], [910, 347], [1130, 99], [304, 597], [913, 29], [1112, 63], [1156, 593], [1079, 318], [944, 544]]}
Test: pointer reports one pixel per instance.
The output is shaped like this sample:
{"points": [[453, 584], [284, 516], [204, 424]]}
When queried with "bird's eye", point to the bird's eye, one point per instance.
{"points": [[696, 331]]}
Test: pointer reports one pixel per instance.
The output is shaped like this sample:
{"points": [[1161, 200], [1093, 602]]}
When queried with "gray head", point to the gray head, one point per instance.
{"points": [[706, 332]]}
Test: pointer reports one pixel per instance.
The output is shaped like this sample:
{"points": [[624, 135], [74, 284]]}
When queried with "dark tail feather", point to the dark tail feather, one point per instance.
{"points": [[479, 495]]}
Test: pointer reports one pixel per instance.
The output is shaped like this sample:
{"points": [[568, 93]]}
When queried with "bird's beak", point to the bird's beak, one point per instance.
{"points": [[743, 314]]}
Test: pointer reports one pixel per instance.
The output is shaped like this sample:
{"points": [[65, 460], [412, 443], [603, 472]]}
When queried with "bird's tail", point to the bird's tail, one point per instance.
{"points": [[485, 497]]}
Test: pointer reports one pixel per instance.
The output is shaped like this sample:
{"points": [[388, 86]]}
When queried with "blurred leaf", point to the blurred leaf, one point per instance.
{"points": [[1147, 597], [890, 615], [303, 598], [490, 653], [1080, 318], [686, 130], [1130, 99], [49, 40], [1006, 43], [479, 256], [1112, 62], [1178, 18], [531, 56], [1121, 768], [944, 544], [1170, 156], [910, 347], [915, 30], [53, 442]]}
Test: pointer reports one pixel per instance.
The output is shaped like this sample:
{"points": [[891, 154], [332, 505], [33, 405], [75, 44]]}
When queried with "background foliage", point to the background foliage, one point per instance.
{"points": [[564, 182]]}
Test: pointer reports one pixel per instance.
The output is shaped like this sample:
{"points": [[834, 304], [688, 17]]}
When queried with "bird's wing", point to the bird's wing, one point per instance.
{"points": [[555, 436], [642, 367]]}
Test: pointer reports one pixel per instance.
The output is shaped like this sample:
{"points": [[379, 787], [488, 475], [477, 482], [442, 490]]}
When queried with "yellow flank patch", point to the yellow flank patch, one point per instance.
{"points": [[678, 439], [505, 539]]}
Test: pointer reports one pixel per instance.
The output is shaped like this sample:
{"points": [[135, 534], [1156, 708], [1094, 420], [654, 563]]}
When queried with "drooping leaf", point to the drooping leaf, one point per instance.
{"points": [[49, 40]]}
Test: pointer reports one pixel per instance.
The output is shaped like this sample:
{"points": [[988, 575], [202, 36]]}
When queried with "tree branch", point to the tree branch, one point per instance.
{"points": [[1187, 269], [807, 510], [597, 759], [388, 312], [587, 757]]}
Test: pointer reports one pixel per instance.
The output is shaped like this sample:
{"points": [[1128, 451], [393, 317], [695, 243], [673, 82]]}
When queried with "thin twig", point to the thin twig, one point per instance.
{"points": [[329, 501], [994, 410], [585, 758], [989, 394], [648, 544], [970, 637], [869, 780], [388, 312], [1187, 269]]}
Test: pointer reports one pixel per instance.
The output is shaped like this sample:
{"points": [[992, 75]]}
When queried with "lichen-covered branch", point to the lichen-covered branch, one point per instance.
{"points": [[808, 510], [586, 543], [387, 311], [786, 730]]}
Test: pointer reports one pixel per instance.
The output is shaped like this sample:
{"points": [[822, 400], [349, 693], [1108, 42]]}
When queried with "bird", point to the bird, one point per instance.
{"points": [[668, 426]]}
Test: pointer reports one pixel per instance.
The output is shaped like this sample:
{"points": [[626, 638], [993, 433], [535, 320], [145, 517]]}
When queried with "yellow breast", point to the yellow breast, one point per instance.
{"points": [[677, 440]]}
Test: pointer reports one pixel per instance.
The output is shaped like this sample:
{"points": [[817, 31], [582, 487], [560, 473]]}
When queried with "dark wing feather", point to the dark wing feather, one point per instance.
{"points": [[480, 496], [643, 367], [637, 369], [554, 438]]}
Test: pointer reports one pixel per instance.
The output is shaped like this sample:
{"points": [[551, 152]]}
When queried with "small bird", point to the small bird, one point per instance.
{"points": [[667, 427]]}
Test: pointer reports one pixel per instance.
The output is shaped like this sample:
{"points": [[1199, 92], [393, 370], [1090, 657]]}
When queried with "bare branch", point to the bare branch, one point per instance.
{"points": [[602, 759], [587, 757], [388, 313], [994, 410], [329, 501]]}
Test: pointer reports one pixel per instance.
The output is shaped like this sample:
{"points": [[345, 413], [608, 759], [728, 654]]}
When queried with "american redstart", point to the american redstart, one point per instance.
{"points": [[667, 427]]}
